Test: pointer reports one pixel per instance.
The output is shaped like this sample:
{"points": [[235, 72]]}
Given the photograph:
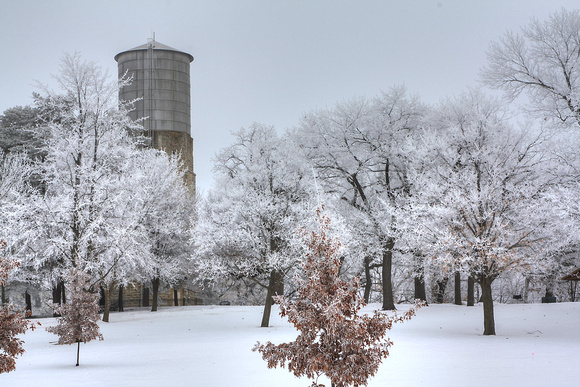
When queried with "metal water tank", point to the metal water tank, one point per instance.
{"points": [[160, 78]]}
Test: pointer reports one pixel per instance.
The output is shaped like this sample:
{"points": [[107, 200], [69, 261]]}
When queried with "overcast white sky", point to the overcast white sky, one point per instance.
{"points": [[266, 61]]}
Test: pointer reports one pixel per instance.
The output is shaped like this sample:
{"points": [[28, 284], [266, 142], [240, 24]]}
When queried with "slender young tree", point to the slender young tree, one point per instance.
{"points": [[334, 339], [80, 315]]}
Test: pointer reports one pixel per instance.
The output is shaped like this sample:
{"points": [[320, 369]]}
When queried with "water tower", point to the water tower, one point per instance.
{"points": [[161, 79]]}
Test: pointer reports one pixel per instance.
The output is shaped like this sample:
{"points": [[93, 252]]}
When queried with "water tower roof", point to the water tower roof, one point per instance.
{"points": [[156, 46]]}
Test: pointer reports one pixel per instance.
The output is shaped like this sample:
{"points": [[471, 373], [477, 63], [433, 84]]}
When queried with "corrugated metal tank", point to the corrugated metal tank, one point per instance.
{"points": [[161, 79]]}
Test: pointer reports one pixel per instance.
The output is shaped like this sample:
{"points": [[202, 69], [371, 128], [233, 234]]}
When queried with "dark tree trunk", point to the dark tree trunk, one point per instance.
{"points": [[28, 301], [388, 299], [62, 291], [145, 297], [419, 278], [486, 296], [441, 285], [4, 301], [275, 287], [155, 282], [420, 292], [58, 293], [78, 351], [120, 298], [458, 288], [470, 291], [107, 298], [368, 280], [175, 298]]}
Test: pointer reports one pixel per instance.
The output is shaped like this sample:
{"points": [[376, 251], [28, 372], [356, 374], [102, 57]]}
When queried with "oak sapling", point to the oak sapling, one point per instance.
{"points": [[80, 316], [334, 339]]}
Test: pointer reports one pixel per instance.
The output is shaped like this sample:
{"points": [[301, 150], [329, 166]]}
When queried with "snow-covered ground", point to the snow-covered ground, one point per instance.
{"points": [[536, 345]]}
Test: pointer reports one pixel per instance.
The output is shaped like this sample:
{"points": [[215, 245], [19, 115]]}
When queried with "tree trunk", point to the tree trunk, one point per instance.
{"points": [[78, 351], [275, 287], [63, 291], [58, 293], [107, 306], [458, 288], [175, 298], [368, 280], [470, 291], [28, 301], [388, 299], [120, 298], [145, 297], [419, 282], [155, 282], [441, 285], [488, 319], [4, 301]]}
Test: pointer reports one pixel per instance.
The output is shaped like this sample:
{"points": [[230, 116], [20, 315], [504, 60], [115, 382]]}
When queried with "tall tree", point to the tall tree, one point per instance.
{"points": [[483, 194], [359, 151], [166, 210], [90, 150], [246, 225]]}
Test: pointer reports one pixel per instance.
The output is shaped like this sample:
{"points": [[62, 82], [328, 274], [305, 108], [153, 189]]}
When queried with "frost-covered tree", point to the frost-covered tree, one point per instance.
{"points": [[334, 339], [90, 140], [360, 151], [166, 210], [482, 195], [15, 171], [246, 224], [80, 315], [541, 62]]}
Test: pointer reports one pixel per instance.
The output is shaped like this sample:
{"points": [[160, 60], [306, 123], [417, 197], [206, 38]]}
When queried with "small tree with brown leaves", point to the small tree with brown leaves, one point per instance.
{"points": [[334, 339], [79, 317], [12, 322]]}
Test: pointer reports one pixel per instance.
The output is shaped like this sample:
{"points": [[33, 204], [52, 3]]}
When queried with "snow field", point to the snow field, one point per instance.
{"points": [[210, 346]]}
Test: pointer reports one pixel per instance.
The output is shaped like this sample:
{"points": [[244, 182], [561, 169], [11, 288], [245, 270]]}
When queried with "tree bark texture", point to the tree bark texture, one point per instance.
{"points": [[486, 296], [470, 291], [368, 280], [155, 285], [420, 292], [78, 351], [28, 301], [275, 287], [388, 299], [175, 298], [107, 307], [458, 288], [441, 285], [120, 298], [145, 298], [4, 301]]}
